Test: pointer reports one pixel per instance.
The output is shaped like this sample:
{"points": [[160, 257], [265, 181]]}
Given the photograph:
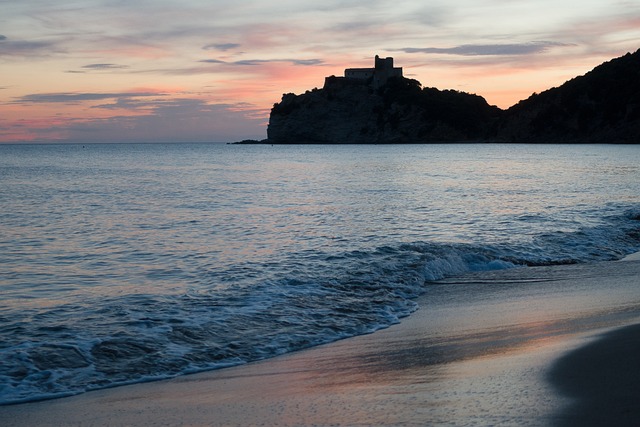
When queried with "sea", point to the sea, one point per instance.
{"points": [[126, 263]]}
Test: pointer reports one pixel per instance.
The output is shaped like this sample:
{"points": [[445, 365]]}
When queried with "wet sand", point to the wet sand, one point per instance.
{"points": [[532, 346], [603, 378]]}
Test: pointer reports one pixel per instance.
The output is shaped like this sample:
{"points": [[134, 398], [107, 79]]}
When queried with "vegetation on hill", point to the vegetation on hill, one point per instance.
{"points": [[351, 111], [467, 112], [601, 106]]}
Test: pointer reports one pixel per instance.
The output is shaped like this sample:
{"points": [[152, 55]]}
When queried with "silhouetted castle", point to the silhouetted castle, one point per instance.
{"points": [[378, 76]]}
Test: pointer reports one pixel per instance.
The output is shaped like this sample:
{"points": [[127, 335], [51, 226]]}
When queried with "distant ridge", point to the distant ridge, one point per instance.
{"points": [[600, 106], [603, 106]]}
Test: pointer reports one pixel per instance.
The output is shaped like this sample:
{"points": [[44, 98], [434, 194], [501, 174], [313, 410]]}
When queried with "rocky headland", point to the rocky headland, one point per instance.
{"points": [[602, 106]]}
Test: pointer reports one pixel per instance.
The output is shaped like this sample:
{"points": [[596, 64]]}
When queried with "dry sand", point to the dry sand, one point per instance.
{"points": [[532, 347]]}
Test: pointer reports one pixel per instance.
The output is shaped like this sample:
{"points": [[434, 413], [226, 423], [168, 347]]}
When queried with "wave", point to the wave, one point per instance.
{"points": [[317, 298]]}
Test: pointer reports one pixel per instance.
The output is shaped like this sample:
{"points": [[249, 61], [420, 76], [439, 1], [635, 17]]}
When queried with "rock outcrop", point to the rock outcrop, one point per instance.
{"points": [[351, 111], [601, 106]]}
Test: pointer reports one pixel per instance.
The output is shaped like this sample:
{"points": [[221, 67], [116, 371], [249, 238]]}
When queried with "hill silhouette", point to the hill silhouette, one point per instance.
{"points": [[601, 106], [401, 111]]}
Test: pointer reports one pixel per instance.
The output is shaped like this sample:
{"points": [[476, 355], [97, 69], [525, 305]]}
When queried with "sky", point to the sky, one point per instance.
{"points": [[210, 70]]}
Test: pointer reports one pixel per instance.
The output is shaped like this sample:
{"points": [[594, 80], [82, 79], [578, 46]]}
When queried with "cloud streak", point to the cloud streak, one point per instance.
{"points": [[98, 68], [221, 46], [253, 62], [26, 48], [490, 49], [74, 98], [104, 67], [259, 66]]}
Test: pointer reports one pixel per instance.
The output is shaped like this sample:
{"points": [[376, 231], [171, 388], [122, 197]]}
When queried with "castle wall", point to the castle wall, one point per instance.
{"points": [[359, 73], [382, 71]]}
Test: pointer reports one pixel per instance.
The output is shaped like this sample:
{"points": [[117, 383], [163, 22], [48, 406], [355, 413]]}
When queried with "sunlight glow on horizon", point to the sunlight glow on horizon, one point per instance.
{"points": [[214, 70]]}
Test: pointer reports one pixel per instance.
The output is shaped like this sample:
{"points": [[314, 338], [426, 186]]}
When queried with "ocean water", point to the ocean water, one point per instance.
{"points": [[122, 263]]}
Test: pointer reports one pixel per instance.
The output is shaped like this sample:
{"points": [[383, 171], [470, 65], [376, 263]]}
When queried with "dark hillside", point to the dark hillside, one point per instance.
{"points": [[401, 111], [601, 106]]}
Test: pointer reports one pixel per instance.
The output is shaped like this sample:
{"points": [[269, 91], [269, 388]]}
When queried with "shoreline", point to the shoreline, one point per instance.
{"points": [[497, 360]]}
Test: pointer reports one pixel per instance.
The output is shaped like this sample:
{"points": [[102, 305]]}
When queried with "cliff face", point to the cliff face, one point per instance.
{"points": [[601, 106], [348, 111]]}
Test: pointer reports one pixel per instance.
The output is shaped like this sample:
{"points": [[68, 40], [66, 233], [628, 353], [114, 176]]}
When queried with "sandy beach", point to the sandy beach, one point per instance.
{"points": [[544, 346]]}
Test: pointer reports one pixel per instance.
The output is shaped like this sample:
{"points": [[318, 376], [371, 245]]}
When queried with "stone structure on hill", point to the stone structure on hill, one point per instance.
{"points": [[379, 75]]}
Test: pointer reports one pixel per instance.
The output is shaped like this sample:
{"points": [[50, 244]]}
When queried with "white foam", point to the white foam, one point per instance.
{"points": [[632, 257]]}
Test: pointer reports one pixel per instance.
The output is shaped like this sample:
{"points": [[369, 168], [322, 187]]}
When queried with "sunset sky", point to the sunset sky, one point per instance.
{"points": [[210, 70]]}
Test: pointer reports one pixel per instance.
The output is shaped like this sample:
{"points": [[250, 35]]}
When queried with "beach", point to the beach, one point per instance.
{"points": [[536, 346]]}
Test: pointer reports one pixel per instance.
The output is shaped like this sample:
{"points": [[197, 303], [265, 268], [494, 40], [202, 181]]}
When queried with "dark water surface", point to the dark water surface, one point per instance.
{"points": [[125, 263]]}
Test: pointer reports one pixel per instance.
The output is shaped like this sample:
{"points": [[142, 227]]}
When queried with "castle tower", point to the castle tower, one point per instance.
{"points": [[383, 63]]}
